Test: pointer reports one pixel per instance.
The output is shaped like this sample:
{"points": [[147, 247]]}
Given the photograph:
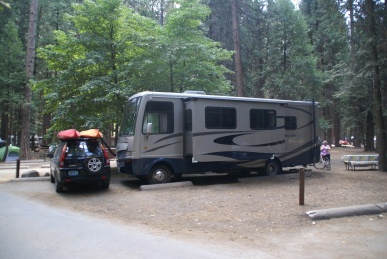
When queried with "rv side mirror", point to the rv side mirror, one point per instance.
{"points": [[148, 128]]}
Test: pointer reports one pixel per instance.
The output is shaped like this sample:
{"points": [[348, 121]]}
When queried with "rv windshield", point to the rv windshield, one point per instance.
{"points": [[129, 118]]}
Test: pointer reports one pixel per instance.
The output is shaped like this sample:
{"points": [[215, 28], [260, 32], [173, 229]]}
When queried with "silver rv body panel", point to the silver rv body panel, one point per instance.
{"points": [[194, 133]]}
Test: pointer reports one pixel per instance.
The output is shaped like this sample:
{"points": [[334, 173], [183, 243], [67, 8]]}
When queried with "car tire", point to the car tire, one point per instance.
{"points": [[272, 167], [58, 186], [93, 165], [159, 174], [105, 184]]}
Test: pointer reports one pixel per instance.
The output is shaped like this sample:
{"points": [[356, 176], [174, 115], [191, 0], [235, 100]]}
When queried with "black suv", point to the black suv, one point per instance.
{"points": [[79, 160]]}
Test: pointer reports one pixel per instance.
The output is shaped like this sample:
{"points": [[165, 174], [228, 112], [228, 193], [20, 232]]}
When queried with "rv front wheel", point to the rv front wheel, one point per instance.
{"points": [[159, 174], [272, 167]]}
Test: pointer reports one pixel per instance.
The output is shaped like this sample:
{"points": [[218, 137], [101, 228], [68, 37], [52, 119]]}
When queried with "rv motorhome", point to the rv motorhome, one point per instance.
{"points": [[164, 135]]}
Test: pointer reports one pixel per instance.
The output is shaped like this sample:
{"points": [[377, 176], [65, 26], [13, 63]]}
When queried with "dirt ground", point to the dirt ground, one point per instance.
{"points": [[229, 208]]}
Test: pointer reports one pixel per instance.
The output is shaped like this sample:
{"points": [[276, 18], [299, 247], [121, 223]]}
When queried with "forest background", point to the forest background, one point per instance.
{"points": [[73, 63]]}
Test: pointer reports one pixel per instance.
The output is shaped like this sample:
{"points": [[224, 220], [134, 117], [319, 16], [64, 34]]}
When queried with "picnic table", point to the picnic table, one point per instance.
{"points": [[353, 161]]}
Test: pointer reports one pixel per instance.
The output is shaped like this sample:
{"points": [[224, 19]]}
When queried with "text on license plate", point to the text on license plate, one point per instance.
{"points": [[73, 173]]}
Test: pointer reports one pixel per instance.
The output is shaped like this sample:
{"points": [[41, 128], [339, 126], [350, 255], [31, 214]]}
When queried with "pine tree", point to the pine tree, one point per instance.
{"points": [[376, 83], [30, 62], [289, 67], [328, 34], [116, 53], [237, 49], [12, 79]]}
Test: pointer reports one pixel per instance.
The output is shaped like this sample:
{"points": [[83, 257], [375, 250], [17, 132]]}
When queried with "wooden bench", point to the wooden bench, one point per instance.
{"points": [[353, 161]]}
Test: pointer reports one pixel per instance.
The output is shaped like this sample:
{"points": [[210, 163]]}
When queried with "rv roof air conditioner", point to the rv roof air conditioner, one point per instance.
{"points": [[194, 92]]}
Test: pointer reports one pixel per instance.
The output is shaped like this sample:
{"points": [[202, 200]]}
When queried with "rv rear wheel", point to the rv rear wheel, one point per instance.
{"points": [[272, 167], [159, 174]]}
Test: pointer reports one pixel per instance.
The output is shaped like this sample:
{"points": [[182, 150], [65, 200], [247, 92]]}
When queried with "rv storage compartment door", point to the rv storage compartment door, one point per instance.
{"points": [[204, 141]]}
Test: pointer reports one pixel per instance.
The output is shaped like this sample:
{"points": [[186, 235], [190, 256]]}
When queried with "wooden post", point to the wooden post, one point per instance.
{"points": [[17, 168], [302, 186]]}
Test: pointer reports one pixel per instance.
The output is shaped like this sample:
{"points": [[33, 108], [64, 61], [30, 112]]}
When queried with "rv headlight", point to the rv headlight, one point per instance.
{"points": [[129, 154]]}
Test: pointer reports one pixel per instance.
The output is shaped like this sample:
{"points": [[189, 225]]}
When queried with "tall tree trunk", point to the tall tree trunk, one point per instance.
{"points": [[4, 129], [4, 122], [369, 141], [46, 124], [378, 106], [171, 76], [30, 62], [336, 128], [358, 130], [237, 49], [162, 12]]}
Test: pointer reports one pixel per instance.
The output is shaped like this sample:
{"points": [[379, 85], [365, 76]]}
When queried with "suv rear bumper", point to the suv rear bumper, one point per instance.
{"points": [[85, 177]]}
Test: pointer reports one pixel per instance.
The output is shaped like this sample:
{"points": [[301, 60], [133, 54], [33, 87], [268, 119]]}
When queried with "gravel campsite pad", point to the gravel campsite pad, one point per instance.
{"points": [[226, 208]]}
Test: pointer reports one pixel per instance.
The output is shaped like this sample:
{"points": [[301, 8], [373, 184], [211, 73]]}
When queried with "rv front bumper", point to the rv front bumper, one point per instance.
{"points": [[125, 167], [124, 162]]}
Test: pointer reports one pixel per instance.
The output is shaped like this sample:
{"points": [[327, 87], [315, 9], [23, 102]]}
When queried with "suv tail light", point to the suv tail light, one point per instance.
{"points": [[105, 154], [63, 156]]}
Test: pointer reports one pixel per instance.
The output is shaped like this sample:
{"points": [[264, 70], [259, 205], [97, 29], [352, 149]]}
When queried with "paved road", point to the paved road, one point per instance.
{"points": [[32, 230]]}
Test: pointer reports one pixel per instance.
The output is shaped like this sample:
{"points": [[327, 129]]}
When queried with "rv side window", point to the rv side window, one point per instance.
{"points": [[160, 115], [262, 119], [220, 118], [290, 122], [188, 120]]}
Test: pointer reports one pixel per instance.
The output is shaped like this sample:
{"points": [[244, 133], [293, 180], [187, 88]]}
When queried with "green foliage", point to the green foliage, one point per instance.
{"points": [[290, 67], [191, 58], [92, 65], [12, 73], [95, 54], [114, 53], [278, 59], [328, 33], [356, 93]]}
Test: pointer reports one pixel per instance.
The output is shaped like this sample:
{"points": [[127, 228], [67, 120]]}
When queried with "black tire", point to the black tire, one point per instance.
{"points": [[159, 174], [328, 165], [319, 164], [105, 184], [272, 167], [58, 186], [93, 165]]}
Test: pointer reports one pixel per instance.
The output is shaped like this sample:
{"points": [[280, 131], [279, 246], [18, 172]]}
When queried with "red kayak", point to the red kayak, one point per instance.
{"points": [[68, 134]]}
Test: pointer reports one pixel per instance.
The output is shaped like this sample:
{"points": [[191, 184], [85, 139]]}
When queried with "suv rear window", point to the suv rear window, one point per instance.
{"points": [[81, 149]]}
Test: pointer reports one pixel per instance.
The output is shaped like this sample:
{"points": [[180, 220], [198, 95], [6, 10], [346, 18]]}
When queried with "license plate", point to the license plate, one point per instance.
{"points": [[73, 173]]}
